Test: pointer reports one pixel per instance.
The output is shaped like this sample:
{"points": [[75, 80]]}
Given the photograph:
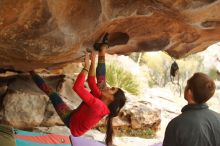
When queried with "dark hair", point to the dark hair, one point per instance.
{"points": [[114, 107], [202, 87]]}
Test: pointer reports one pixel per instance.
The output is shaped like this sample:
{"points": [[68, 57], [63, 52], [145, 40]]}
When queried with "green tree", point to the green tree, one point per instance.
{"points": [[158, 65]]}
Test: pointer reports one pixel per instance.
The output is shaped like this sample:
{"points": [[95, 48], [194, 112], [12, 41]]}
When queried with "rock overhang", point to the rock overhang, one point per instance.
{"points": [[45, 34]]}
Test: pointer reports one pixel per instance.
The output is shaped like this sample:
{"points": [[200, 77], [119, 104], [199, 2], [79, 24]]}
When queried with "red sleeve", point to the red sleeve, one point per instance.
{"points": [[94, 88], [83, 93]]}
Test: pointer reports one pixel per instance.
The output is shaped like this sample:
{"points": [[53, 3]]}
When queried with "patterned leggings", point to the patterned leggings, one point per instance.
{"points": [[61, 108], [101, 72]]}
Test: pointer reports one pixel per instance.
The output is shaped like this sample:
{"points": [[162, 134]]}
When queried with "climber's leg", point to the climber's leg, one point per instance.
{"points": [[61, 108]]}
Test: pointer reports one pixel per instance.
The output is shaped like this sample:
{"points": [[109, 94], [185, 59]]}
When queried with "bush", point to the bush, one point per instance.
{"points": [[158, 65], [119, 77], [213, 74]]}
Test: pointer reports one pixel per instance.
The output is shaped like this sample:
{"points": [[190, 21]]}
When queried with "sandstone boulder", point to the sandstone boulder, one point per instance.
{"points": [[47, 33], [25, 106]]}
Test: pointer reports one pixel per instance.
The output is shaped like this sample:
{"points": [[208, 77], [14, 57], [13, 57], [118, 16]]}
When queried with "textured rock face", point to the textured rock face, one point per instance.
{"points": [[136, 115], [142, 115], [25, 106], [24, 114], [48, 33]]}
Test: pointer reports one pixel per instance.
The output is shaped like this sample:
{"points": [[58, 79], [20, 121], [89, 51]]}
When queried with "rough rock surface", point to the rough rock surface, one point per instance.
{"points": [[25, 106], [48, 33], [136, 117]]}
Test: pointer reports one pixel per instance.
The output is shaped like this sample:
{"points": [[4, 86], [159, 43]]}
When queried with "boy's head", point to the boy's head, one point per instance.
{"points": [[201, 87]]}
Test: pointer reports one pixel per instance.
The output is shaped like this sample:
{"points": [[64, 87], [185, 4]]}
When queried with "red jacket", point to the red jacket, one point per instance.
{"points": [[91, 110]]}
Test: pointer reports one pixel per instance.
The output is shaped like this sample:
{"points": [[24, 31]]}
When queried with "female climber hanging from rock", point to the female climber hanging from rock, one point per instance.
{"points": [[101, 101]]}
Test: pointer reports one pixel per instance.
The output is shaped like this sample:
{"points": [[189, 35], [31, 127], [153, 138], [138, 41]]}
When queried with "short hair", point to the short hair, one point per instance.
{"points": [[202, 87]]}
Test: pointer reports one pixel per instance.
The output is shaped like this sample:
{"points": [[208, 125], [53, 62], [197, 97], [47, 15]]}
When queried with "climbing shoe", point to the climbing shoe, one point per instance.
{"points": [[97, 45]]}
